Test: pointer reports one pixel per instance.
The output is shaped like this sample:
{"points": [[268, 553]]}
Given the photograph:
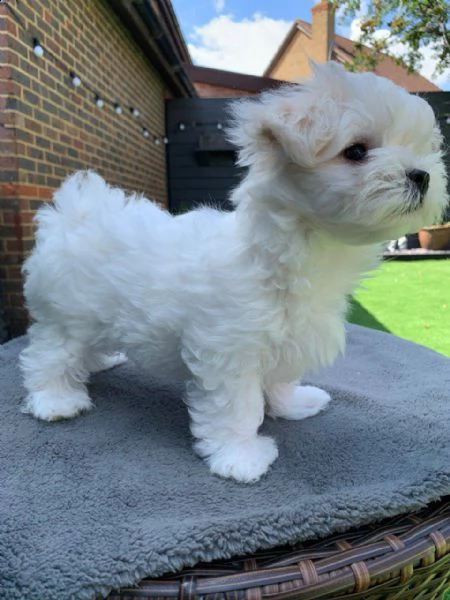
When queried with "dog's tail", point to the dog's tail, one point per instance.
{"points": [[86, 192], [81, 195]]}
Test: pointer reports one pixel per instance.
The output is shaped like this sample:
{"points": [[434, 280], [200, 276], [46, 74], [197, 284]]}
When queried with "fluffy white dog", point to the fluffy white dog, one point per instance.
{"points": [[241, 305]]}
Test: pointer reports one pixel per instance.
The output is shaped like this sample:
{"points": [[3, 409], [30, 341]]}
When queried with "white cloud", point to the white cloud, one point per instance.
{"points": [[219, 5], [428, 65], [249, 45], [245, 46], [428, 70]]}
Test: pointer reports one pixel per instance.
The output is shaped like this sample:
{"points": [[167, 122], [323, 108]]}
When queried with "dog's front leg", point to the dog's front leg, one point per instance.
{"points": [[293, 401], [225, 417]]}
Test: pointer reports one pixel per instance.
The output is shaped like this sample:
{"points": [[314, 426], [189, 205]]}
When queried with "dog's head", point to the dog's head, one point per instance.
{"points": [[351, 153]]}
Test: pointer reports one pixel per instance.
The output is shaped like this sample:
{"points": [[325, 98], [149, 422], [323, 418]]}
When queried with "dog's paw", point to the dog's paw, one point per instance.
{"points": [[51, 406], [107, 361], [246, 460], [304, 401]]}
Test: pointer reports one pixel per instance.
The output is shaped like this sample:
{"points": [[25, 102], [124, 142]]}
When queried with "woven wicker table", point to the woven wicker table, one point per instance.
{"points": [[404, 558]]}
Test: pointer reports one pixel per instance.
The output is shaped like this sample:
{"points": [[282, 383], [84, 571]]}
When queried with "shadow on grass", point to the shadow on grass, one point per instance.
{"points": [[358, 315]]}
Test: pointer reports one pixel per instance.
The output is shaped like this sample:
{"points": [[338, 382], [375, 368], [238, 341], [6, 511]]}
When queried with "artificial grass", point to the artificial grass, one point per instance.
{"points": [[410, 299]]}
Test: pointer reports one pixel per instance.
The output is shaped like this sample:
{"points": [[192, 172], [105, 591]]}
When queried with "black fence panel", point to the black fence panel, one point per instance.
{"points": [[440, 101], [201, 163]]}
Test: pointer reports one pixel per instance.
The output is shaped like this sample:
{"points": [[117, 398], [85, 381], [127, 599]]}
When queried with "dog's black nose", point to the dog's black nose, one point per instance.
{"points": [[420, 178]]}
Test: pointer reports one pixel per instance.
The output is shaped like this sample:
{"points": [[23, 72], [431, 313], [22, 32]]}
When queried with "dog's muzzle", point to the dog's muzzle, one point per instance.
{"points": [[420, 180]]}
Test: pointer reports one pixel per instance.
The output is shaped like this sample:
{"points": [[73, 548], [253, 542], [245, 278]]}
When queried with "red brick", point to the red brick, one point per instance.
{"points": [[8, 86], [12, 27], [26, 216], [14, 273], [27, 231], [14, 246], [11, 120], [27, 191], [45, 193], [67, 131], [6, 133], [5, 72], [8, 189], [15, 286], [8, 162]]}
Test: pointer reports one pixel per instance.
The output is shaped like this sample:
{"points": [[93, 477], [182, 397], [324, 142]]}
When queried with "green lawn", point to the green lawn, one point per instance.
{"points": [[410, 299]]}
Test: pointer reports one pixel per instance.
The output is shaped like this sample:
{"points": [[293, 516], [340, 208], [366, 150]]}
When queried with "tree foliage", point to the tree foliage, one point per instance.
{"points": [[408, 26]]}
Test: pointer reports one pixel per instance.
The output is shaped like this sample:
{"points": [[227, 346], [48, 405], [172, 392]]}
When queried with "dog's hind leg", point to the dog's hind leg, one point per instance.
{"points": [[291, 401], [225, 420], [54, 374], [102, 362]]}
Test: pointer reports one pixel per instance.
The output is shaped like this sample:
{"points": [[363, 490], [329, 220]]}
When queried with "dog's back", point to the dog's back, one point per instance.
{"points": [[89, 229], [85, 199]]}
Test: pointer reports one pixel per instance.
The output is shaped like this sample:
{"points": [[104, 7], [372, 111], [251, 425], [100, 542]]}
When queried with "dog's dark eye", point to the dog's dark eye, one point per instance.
{"points": [[356, 152]]}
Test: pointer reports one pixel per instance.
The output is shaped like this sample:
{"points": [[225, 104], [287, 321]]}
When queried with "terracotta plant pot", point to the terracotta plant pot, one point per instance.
{"points": [[436, 237]]}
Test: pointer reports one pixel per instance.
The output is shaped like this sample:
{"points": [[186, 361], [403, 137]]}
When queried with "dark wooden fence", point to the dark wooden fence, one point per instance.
{"points": [[440, 101], [201, 163]]}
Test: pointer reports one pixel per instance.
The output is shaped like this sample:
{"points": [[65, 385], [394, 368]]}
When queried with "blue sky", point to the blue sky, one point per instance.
{"points": [[243, 35], [193, 13]]}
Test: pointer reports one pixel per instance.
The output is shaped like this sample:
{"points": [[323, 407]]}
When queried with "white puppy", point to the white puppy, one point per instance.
{"points": [[241, 305]]}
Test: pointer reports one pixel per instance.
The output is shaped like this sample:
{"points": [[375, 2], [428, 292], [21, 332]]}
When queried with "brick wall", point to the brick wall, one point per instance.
{"points": [[49, 128], [206, 90], [294, 63]]}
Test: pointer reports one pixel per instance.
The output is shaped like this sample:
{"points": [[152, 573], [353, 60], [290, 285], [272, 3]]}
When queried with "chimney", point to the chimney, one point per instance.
{"points": [[322, 31]]}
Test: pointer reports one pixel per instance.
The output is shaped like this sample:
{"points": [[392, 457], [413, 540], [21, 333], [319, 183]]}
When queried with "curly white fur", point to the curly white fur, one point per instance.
{"points": [[240, 304]]}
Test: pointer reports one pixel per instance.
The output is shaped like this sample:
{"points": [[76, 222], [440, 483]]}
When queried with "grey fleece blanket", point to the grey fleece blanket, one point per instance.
{"points": [[116, 495]]}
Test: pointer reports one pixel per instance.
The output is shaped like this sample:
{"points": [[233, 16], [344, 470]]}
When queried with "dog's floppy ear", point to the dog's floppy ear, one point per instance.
{"points": [[282, 124]]}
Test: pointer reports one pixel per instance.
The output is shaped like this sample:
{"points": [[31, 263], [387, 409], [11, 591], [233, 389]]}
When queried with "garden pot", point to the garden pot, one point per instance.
{"points": [[436, 237]]}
